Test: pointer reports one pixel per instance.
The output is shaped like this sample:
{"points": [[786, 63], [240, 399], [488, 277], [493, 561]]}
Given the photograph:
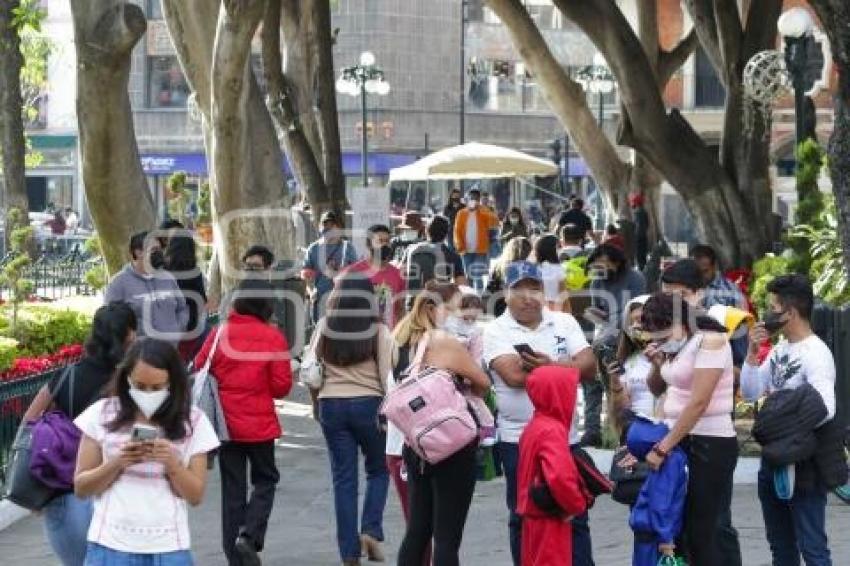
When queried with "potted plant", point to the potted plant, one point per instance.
{"points": [[204, 224], [178, 197]]}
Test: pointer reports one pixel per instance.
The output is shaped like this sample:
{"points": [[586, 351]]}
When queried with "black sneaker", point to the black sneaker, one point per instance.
{"points": [[247, 551], [591, 439]]}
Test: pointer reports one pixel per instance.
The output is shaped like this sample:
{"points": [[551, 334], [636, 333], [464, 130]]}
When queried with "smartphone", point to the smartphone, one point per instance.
{"points": [[524, 349], [144, 433]]}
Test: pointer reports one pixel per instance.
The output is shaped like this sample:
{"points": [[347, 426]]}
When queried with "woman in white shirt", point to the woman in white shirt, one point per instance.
{"points": [[554, 285], [630, 394], [143, 457]]}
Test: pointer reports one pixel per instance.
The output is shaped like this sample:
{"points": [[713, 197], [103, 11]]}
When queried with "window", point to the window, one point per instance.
{"points": [[167, 85], [708, 90]]}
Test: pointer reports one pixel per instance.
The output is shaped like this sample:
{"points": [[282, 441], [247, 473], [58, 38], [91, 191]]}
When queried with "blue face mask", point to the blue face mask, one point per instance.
{"points": [[672, 347]]}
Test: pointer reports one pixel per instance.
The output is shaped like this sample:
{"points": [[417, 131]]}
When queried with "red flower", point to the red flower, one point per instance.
{"points": [[27, 366]]}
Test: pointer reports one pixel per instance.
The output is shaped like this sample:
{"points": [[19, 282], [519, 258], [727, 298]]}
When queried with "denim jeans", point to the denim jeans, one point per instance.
{"points": [[102, 556], [796, 527], [476, 267], [349, 424], [66, 525], [582, 544]]}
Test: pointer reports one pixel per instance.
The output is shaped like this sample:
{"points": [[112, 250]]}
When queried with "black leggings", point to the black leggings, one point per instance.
{"points": [[711, 467], [439, 498]]}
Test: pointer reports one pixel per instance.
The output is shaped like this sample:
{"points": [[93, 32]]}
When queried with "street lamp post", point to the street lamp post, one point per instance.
{"points": [[361, 80], [795, 26]]}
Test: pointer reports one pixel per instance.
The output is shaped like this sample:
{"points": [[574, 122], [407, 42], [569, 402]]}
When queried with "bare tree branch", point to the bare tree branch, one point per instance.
{"points": [[671, 61], [705, 24], [760, 30], [730, 37], [565, 96]]}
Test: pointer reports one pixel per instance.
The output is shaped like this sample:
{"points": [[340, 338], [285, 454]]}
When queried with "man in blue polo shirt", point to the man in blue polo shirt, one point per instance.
{"points": [[554, 338]]}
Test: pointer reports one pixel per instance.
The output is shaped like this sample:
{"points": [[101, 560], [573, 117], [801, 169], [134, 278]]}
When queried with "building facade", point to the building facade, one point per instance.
{"points": [[451, 66]]}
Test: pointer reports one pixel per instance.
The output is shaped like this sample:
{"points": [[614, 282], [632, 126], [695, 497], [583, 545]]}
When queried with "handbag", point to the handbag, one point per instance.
{"points": [[672, 561], [205, 393], [312, 371], [627, 481], [23, 487]]}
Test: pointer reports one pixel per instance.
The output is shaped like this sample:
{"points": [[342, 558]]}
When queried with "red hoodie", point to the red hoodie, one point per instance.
{"points": [[544, 452], [252, 369]]}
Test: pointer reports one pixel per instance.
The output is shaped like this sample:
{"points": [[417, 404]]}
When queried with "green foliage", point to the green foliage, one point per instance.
{"points": [[42, 330], [827, 272], [9, 351], [810, 201], [764, 271], [28, 16], [204, 204], [96, 277], [14, 272], [178, 196]]}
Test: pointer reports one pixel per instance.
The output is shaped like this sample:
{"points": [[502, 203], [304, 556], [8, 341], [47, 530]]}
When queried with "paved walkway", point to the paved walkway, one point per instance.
{"points": [[302, 529]]}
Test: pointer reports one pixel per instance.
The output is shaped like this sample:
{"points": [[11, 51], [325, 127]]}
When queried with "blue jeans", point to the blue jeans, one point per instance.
{"points": [[348, 424], [476, 267], [101, 556], [66, 525], [582, 545], [796, 527]]}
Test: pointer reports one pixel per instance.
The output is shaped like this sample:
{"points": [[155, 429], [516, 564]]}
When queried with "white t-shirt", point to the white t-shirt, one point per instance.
{"points": [[558, 336], [139, 512], [553, 274], [790, 365], [637, 368]]}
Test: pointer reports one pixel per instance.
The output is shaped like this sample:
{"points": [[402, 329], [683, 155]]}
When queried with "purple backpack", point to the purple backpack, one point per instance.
{"points": [[55, 441]]}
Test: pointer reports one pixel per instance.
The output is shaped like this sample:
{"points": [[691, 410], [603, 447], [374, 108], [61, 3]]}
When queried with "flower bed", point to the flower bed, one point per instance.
{"points": [[26, 366]]}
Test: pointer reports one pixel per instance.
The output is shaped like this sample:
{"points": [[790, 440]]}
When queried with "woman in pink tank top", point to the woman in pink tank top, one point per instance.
{"points": [[695, 360]]}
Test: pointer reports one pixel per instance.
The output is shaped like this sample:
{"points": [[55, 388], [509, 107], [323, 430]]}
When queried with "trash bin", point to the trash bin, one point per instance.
{"points": [[832, 325]]}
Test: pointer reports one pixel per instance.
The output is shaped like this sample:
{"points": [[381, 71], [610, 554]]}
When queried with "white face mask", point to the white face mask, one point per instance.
{"points": [[148, 402], [473, 204], [458, 326], [673, 347], [409, 235]]}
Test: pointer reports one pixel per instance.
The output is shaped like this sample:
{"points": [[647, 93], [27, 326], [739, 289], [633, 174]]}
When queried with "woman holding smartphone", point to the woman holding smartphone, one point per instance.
{"points": [[143, 457]]}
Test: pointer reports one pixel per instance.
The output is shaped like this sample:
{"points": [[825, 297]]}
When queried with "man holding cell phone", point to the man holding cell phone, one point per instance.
{"points": [[525, 337]]}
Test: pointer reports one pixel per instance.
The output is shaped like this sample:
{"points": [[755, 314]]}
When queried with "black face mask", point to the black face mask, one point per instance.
{"points": [[773, 321], [384, 253], [157, 259]]}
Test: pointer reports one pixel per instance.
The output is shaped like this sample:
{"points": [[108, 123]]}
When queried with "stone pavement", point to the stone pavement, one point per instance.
{"points": [[301, 531]]}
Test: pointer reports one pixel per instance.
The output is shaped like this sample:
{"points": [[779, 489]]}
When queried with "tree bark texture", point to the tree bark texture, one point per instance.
{"points": [[723, 212], [835, 19], [250, 203], [307, 75], [105, 33], [12, 140]]}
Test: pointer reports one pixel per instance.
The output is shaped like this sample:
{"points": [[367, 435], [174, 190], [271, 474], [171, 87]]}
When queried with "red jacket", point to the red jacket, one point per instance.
{"points": [[249, 386], [544, 452]]}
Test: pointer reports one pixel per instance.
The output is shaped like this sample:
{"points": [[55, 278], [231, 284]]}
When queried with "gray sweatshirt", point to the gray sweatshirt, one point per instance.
{"points": [[159, 305]]}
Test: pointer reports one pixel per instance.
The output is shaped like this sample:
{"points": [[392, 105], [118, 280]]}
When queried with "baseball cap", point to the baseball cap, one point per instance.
{"points": [[329, 216], [520, 271]]}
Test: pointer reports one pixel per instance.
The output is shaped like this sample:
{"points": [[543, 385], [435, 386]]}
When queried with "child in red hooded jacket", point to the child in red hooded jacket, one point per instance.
{"points": [[544, 457]]}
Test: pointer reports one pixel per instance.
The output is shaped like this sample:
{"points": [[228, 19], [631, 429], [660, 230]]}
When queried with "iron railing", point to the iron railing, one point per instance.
{"points": [[57, 272], [15, 398]]}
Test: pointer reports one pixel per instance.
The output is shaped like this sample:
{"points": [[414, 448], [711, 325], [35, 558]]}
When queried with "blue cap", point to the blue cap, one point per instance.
{"points": [[520, 271]]}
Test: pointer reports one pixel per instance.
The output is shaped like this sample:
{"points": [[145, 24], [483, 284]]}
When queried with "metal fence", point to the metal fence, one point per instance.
{"points": [[58, 271], [15, 398]]}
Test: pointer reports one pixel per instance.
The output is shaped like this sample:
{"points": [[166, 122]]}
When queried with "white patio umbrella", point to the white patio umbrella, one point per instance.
{"points": [[474, 161]]}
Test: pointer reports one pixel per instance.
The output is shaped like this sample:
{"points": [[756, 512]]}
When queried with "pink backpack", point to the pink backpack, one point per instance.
{"points": [[430, 411]]}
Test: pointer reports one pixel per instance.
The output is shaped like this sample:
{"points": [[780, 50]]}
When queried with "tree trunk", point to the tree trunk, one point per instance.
{"points": [[834, 16], [105, 33], [566, 98], [12, 141], [254, 209], [309, 82]]}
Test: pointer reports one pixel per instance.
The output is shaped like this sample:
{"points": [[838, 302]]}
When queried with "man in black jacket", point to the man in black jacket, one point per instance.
{"points": [[794, 511]]}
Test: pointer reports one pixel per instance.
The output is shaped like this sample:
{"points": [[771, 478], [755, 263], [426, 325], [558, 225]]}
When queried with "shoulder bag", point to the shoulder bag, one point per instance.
{"points": [[44, 454], [205, 392], [627, 481], [312, 371]]}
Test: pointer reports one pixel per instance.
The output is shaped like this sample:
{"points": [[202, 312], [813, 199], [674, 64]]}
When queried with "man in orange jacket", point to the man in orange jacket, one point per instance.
{"points": [[472, 238]]}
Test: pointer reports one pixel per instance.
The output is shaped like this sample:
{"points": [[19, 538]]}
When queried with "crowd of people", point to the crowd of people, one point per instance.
{"points": [[422, 308]]}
